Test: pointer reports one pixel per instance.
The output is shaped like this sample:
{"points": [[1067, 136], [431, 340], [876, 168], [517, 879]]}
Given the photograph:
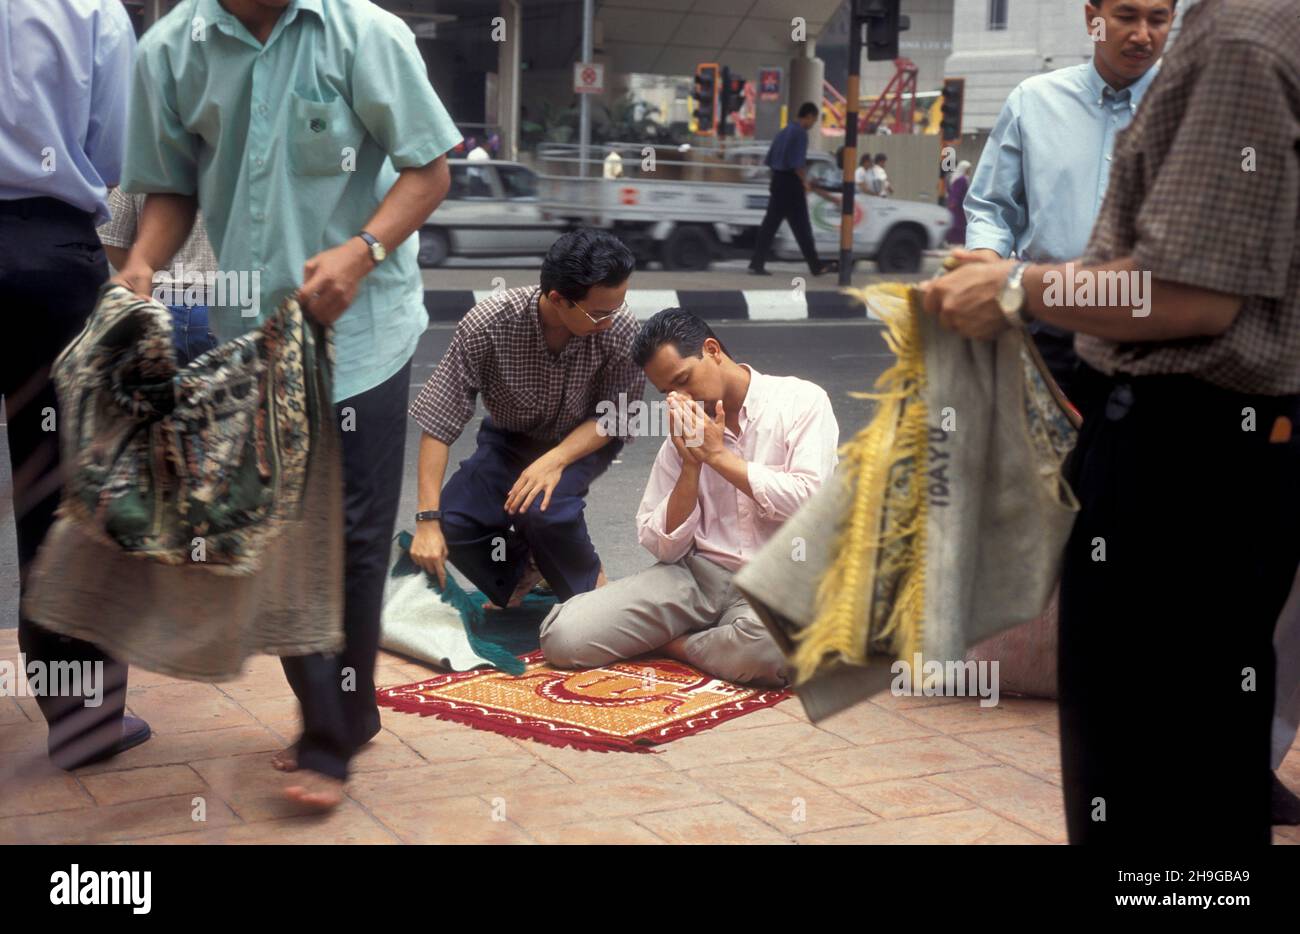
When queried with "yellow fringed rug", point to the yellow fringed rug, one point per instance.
{"points": [[871, 599]]}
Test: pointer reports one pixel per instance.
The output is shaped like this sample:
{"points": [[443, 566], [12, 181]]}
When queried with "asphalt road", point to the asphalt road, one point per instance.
{"points": [[841, 356]]}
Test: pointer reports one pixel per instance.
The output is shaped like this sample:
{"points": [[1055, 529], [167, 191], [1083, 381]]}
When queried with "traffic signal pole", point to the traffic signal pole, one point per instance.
{"points": [[584, 102], [848, 187], [882, 22]]}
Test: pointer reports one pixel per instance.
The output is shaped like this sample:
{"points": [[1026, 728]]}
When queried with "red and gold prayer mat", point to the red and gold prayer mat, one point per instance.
{"points": [[625, 706]]}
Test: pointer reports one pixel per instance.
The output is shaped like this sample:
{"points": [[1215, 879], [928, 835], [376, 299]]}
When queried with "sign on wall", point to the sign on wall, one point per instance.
{"points": [[588, 78]]}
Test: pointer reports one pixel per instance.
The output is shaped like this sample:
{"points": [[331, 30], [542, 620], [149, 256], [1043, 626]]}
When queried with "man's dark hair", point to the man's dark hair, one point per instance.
{"points": [[582, 258], [677, 326], [808, 109], [1173, 4], [880, 157], [866, 158]]}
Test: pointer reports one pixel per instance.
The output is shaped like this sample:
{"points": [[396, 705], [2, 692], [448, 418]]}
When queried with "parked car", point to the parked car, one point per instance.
{"points": [[491, 210]]}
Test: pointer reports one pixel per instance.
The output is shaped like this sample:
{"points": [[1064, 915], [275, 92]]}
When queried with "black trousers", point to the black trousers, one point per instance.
{"points": [[337, 692], [51, 268], [1179, 563], [787, 202]]}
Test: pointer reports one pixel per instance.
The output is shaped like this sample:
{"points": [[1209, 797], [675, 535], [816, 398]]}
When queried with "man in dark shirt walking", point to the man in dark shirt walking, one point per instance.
{"points": [[787, 157]]}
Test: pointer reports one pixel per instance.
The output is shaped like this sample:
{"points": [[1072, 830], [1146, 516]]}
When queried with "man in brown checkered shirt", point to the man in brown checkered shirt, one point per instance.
{"points": [[1187, 469], [543, 359]]}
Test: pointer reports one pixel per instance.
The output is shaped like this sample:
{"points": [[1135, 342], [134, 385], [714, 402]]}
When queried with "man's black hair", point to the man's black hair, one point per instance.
{"points": [[677, 326], [582, 258], [808, 109], [866, 157], [1173, 4], [881, 157]]}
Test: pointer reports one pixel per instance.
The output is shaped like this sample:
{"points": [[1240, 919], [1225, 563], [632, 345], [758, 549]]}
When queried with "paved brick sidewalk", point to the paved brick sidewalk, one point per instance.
{"points": [[897, 770]]}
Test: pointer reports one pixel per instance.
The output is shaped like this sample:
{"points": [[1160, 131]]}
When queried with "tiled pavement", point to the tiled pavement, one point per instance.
{"points": [[896, 770]]}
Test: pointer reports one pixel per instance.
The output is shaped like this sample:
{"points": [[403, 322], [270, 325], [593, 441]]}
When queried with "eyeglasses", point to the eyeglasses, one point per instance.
{"points": [[603, 316]]}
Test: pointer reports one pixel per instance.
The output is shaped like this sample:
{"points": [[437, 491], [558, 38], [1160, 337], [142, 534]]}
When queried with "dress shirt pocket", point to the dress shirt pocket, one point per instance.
{"points": [[321, 133], [523, 401]]}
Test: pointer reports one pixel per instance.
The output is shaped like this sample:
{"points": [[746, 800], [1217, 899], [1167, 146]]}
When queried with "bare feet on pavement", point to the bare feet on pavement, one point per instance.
{"points": [[315, 792], [286, 760]]}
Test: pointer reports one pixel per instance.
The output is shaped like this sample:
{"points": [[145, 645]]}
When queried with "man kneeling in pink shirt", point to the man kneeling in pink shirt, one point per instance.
{"points": [[745, 451]]}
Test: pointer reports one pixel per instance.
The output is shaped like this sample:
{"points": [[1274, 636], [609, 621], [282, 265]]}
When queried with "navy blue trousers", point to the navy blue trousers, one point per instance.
{"points": [[338, 721], [491, 547]]}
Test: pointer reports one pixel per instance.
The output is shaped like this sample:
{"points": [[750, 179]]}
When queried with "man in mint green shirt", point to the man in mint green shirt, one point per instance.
{"points": [[308, 133]]}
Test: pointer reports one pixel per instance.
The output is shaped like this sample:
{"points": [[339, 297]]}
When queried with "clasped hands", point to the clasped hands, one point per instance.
{"points": [[697, 436]]}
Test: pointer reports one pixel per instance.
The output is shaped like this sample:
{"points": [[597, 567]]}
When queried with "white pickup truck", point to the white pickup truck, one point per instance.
{"points": [[687, 224]]}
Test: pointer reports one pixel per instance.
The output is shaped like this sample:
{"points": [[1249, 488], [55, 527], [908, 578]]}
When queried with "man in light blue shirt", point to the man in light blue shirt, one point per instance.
{"points": [[1043, 173], [65, 72], [309, 134]]}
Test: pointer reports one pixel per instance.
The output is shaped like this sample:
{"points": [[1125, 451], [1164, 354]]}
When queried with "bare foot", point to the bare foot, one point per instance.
{"points": [[315, 792], [601, 580], [286, 760], [522, 589]]}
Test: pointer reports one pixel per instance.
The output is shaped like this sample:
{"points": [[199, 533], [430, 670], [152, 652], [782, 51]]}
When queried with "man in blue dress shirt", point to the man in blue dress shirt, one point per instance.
{"points": [[63, 88], [1043, 173], [787, 157]]}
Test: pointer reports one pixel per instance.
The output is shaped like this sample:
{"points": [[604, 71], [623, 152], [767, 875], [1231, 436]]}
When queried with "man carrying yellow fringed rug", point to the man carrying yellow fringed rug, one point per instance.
{"points": [[745, 452]]}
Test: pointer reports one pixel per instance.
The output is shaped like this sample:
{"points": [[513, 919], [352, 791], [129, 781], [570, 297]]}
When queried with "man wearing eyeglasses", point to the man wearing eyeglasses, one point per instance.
{"points": [[543, 358]]}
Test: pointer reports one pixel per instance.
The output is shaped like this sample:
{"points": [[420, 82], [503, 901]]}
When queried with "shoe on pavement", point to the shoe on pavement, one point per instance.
{"points": [[134, 732]]}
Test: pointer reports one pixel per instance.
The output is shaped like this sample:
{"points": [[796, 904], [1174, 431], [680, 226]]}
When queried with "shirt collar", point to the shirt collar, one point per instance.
{"points": [[1099, 90], [214, 12]]}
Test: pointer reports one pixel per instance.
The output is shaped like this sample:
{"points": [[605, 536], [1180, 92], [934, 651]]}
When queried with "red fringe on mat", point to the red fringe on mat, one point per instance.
{"points": [[405, 699]]}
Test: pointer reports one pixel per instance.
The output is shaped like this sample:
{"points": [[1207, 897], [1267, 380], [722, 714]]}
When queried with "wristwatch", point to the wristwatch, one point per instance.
{"points": [[428, 515], [377, 251], [1012, 298]]}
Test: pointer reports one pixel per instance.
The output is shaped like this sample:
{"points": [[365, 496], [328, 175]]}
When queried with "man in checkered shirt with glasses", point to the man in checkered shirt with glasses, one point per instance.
{"points": [[543, 357]]}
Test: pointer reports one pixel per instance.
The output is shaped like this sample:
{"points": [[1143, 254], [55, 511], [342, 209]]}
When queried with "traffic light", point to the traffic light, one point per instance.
{"points": [[950, 122], [884, 23], [731, 97], [706, 99]]}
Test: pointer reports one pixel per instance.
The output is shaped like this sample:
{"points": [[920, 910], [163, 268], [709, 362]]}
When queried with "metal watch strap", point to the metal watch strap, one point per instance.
{"points": [[1018, 318]]}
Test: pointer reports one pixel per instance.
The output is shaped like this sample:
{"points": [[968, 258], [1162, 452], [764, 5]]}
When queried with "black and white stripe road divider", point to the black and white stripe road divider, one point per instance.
{"points": [[449, 305]]}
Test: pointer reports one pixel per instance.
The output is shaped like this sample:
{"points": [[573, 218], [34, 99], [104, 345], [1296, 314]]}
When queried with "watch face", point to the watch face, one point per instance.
{"points": [[1009, 300], [378, 252]]}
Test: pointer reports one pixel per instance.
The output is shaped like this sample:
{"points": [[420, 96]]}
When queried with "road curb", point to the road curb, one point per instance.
{"points": [[450, 305]]}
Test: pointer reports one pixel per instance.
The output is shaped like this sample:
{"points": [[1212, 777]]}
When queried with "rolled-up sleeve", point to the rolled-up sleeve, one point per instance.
{"points": [[161, 154], [393, 98], [996, 208], [1220, 211], [446, 402], [812, 442], [651, 529]]}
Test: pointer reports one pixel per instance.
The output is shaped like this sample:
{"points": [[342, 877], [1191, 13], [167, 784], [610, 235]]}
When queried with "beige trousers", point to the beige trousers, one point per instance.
{"points": [[640, 614]]}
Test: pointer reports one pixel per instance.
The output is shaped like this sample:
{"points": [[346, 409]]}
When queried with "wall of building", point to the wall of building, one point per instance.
{"points": [[1041, 35]]}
